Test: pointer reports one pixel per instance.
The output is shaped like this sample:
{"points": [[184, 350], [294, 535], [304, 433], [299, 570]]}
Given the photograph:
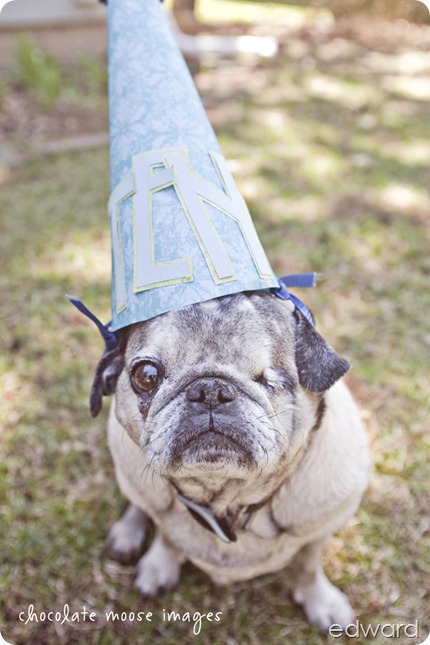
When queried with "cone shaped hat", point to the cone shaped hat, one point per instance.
{"points": [[181, 232]]}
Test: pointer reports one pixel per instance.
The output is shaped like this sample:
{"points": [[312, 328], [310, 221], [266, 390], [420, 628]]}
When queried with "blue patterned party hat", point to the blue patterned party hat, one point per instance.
{"points": [[181, 231]]}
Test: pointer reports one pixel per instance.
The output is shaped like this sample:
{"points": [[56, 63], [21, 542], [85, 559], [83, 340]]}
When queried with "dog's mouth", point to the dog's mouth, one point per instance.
{"points": [[211, 441], [214, 444]]}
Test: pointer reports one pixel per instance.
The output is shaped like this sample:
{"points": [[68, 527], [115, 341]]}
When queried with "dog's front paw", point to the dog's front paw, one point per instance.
{"points": [[324, 604], [127, 536], [159, 569]]}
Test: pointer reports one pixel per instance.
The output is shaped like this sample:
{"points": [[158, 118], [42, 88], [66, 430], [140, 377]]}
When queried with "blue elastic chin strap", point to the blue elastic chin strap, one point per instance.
{"points": [[296, 280], [109, 337]]}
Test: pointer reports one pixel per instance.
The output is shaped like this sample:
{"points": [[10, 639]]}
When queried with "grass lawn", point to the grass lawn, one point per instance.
{"points": [[329, 146]]}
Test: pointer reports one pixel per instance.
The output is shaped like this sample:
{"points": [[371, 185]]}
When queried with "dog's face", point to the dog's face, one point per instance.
{"points": [[228, 388]]}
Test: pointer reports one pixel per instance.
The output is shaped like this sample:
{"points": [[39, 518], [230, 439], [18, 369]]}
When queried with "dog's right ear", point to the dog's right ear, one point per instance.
{"points": [[108, 370]]}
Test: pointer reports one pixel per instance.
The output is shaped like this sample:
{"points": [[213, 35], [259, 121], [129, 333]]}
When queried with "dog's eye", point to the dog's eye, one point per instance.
{"points": [[275, 379], [144, 377]]}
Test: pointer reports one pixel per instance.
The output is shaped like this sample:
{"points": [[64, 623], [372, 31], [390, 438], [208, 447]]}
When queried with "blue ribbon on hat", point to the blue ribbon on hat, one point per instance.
{"points": [[296, 280], [109, 337]]}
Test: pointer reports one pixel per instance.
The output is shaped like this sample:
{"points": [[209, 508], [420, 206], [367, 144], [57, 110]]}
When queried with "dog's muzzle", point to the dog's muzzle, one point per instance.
{"points": [[209, 429]]}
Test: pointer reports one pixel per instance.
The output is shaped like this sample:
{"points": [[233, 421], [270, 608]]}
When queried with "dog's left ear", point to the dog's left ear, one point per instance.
{"points": [[318, 365], [108, 370]]}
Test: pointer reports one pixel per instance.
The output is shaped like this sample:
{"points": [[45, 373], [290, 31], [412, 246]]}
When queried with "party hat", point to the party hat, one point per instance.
{"points": [[181, 231]]}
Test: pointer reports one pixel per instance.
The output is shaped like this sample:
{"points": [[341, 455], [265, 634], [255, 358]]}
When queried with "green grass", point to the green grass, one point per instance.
{"points": [[39, 72], [333, 162], [50, 81]]}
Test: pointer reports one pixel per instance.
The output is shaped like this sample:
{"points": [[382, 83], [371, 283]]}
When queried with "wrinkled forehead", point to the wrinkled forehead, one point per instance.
{"points": [[236, 329]]}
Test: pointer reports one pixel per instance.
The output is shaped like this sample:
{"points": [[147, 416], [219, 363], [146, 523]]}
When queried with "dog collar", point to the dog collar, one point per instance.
{"points": [[222, 527], [207, 519]]}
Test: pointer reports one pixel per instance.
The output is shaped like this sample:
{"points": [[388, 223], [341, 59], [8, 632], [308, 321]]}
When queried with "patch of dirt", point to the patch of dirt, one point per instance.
{"points": [[23, 119]]}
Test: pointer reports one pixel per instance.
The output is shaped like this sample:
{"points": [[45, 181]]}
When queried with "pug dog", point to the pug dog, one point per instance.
{"points": [[232, 433]]}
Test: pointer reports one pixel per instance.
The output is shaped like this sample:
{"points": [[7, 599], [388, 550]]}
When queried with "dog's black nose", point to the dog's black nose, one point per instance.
{"points": [[211, 392]]}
